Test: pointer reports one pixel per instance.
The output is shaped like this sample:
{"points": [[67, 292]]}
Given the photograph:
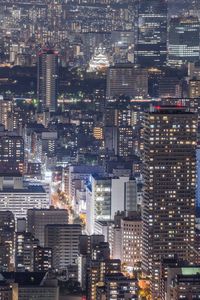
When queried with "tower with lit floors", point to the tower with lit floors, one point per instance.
{"points": [[169, 188]]}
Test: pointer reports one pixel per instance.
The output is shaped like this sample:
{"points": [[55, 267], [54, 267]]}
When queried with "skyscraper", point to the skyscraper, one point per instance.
{"points": [[11, 153], [37, 219], [169, 187], [151, 48], [47, 79], [184, 40]]}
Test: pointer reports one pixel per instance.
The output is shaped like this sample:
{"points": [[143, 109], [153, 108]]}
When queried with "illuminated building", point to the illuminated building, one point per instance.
{"points": [[99, 61], [5, 108], [125, 141], [184, 40], [24, 251], [118, 286], [179, 280], [194, 89], [37, 219], [98, 133], [47, 79], [11, 153], [151, 48], [198, 176], [169, 187], [7, 237], [18, 197], [131, 239], [42, 259], [98, 201]]}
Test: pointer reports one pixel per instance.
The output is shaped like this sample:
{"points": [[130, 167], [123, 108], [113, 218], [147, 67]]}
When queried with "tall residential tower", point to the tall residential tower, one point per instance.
{"points": [[47, 79], [169, 187]]}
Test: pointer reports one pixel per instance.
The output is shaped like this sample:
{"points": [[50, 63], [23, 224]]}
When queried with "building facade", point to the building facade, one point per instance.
{"points": [[169, 187]]}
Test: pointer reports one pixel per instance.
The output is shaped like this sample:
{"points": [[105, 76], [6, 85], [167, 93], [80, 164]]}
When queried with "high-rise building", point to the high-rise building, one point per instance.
{"points": [[169, 187], [194, 89], [123, 195], [64, 242], [24, 251], [179, 280], [184, 40], [42, 260], [125, 80], [7, 238], [37, 219], [131, 240], [5, 109], [11, 153], [151, 48], [119, 286], [98, 201], [47, 79]]}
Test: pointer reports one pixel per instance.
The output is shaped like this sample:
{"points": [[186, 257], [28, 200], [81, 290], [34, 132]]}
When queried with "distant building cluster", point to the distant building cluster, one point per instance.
{"points": [[100, 150]]}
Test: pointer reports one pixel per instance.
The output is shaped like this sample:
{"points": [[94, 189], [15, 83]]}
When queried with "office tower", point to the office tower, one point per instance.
{"points": [[98, 201], [184, 40], [42, 260], [7, 238], [11, 153], [18, 197], [131, 240], [64, 242], [5, 109], [37, 219], [125, 141], [194, 89], [151, 48], [24, 251], [49, 140], [125, 80], [87, 244], [47, 79], [123, 195], [169, 187]]}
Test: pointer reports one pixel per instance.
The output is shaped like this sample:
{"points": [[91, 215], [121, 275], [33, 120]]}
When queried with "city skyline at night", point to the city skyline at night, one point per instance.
{"points": [[100, 149]]}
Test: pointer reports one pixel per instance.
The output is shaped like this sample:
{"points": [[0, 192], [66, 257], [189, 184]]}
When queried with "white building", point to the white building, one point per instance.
{"points": [[18, 197], [124, 195], [131, 241], [98, 201], [105, 196]]}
